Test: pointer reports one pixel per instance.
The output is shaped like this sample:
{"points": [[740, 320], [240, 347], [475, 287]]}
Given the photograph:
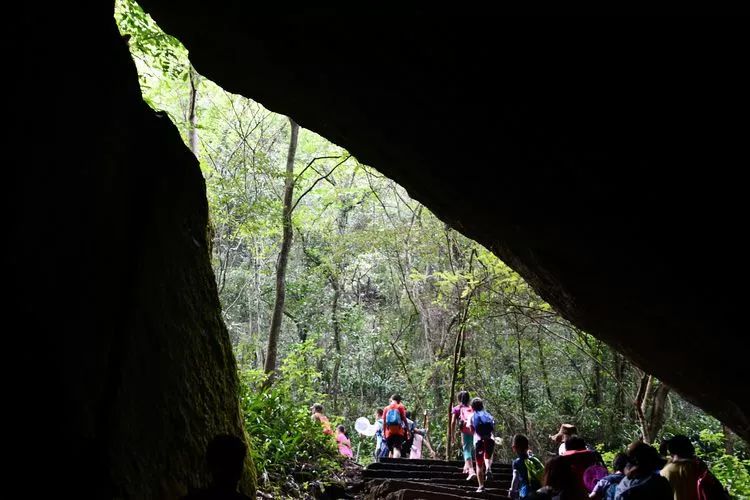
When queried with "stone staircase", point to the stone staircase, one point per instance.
{"points": [[402, 479]]}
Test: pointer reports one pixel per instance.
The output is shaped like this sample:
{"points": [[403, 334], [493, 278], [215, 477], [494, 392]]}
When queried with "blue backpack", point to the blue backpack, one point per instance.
{"points": [[484, 424], [393, 417]]}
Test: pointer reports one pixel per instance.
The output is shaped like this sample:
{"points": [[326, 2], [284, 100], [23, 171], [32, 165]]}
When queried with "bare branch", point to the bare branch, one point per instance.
{"points": [[311, 163], [318, 180]]}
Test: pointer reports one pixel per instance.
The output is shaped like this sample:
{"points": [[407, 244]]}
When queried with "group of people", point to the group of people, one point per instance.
{"points": [[673, 472], [642, 472], [396, 434], [342, 438], [477, 429], [576, 472]]}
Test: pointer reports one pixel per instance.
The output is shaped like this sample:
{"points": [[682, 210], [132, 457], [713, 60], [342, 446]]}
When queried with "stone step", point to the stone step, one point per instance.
{"points": [[500, 485], [433, 495], [399, 473], [407, 490], [438, 467], [465, 485], [422, 461], [406, 479]]}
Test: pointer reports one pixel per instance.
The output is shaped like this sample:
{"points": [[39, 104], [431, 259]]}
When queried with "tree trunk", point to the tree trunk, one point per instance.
{"points": [[286, 244], [639, 403], [597, 386], [650, 402], [458, 355], [617, 401], [656, 413], [543, 366], [458, 351], [192, 116], [260, 358], [521, 387], [619, 368], [336, 337], [451, 397], [250, 339]]}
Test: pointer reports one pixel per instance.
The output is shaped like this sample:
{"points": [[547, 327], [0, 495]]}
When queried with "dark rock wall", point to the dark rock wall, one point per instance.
{"points": [[114, 271]]}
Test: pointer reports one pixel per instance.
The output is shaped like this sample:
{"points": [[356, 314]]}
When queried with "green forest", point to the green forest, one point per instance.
{"points": [[338, 288]]}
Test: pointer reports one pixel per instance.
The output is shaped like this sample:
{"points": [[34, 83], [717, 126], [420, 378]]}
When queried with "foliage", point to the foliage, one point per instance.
{"points": [[608, 456], [153, 48], [284, 437], [733, 472]]}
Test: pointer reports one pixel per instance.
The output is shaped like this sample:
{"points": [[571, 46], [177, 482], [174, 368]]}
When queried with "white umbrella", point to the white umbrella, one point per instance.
{"points": [[364, 427]]}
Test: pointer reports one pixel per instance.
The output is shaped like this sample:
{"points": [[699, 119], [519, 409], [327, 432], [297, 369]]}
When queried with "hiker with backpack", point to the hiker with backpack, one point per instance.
{"points": [[394, 426], [606, 486], [528, 471], [416, 436], [687, 474], [461, 415], [484, 441], [642, 479], [409, 441]]}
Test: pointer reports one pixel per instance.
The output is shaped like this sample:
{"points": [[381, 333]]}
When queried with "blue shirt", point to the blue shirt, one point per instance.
{"points": [[651, 487], [522, 473], [607, 486]]}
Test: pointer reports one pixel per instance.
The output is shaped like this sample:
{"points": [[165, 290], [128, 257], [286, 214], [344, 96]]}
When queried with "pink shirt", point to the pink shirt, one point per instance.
{"points": [[344, 445]]}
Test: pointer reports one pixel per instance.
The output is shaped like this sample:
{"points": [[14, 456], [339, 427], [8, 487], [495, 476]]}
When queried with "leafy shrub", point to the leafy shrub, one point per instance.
{"points": [[284, 438], [733, 472]]}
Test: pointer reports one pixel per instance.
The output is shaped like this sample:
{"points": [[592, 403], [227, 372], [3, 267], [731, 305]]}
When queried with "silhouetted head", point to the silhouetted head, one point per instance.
{"points": [[643, 459], [317, 408], [464, 398], [520, 443], [408, 414], [477, 404], [396, 398], [225, 455], [341, 429], [575, 443], [379, 412], [619, 463], [680, 446]]}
